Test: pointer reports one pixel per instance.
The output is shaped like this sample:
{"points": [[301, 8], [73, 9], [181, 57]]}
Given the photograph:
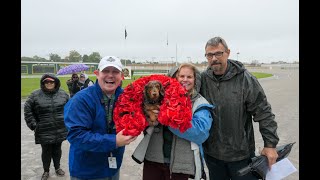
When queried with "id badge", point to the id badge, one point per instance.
{"points": [[112, 162]]}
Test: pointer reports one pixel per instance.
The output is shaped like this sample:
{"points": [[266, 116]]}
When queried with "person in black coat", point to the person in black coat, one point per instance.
{"points": [[43, 113], [72, 84]]}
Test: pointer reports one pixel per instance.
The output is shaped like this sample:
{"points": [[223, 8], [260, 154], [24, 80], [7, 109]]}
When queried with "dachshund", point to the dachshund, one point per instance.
{"points": [[153, 94]]}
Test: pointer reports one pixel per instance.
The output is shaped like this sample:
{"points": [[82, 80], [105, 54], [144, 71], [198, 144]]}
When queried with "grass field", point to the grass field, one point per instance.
{"points": [[30, 84]]}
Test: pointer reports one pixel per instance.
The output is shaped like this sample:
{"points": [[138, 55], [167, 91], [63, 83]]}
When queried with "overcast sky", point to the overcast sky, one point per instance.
{"points": [[263, 30]]}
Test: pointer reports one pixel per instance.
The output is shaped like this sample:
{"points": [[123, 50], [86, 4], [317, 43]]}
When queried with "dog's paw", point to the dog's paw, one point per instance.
{"points": [[153, 123]]}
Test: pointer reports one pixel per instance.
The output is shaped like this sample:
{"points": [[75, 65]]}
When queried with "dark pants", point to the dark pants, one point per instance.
{"points": [[159, 171], [222, 170], [51, 151]]}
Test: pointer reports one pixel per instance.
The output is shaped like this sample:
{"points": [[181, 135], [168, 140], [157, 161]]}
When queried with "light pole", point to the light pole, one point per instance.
{"points": [[153, 63], [176, 54], [172, 58], [238, 56]]}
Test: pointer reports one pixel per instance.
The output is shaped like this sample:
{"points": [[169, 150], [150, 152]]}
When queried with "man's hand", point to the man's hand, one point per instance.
{"points": [[122, 140], [271, 154]]}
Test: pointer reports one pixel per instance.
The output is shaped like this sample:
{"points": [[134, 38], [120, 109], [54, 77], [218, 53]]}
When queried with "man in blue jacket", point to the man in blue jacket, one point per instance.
{"points": [[96, 151]]}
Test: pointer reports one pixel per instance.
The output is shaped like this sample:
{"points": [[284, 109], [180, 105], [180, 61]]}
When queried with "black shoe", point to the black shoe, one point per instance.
{"points": [[45, 176], [60, 172]]}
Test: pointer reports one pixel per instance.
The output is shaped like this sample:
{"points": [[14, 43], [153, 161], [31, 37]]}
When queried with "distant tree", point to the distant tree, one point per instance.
{"points": [[85, 58], [27, 59], [94, 57], [125, 61], [74, 56], [66, 59], [54, 57], [39, 59]]}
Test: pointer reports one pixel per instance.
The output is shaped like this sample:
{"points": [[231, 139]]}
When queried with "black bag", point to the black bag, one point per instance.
{"points": [[259, 165]]}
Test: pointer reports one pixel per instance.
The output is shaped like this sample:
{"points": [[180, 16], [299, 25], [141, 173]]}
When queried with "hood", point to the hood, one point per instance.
{"points": [[172, 73], [85, 77], [53, 76]]}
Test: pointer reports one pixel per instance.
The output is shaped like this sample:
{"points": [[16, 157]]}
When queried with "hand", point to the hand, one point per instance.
{"points": [[156, 111], [271, 154], [122, 140], [33, 126]]}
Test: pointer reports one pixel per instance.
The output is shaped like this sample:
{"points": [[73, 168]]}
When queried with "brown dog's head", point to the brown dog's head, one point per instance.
{"points": [[153, 91]]}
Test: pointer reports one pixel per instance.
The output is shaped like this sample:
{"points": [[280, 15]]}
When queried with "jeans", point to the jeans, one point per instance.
{"points": [[115, 177], [222, 170]]}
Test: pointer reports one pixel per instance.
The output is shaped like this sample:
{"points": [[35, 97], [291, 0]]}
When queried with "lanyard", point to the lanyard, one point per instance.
{"points": [[108, 104]]}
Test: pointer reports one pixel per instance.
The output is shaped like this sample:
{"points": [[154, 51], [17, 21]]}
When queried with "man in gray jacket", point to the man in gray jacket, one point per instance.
{"points": [[239, 100]]}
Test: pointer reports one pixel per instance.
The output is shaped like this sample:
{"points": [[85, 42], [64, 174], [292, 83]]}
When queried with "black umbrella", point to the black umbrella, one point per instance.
{"points": [[259, 165]]}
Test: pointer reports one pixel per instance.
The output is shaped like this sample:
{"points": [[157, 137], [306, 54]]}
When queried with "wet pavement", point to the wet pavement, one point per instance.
{"points": [[282, 91]]}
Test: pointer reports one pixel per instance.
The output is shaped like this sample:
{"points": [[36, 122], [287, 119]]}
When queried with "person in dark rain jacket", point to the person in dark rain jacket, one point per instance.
{"points": [[239, 100], [43, 113]]}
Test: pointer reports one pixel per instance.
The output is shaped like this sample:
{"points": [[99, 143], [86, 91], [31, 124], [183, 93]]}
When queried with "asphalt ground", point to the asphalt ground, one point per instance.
{"points": [[282, 92]]}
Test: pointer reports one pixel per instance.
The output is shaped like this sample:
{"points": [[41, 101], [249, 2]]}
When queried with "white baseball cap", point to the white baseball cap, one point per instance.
{"points": [[110, 61]]}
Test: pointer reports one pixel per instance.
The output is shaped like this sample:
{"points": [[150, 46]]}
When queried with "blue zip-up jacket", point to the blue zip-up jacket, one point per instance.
{"points": [[202, 120], [90, 144]]}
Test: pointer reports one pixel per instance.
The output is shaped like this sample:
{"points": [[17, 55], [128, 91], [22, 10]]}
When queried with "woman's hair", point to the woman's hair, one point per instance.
{"points": [[194, 69]]}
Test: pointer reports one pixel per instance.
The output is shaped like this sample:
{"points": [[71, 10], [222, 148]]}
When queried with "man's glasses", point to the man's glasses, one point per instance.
{"points": [[218, 54], [75, 77]]}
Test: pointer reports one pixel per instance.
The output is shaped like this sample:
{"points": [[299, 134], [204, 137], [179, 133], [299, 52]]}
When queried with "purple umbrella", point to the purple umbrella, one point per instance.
{"points": [[74, 68]]}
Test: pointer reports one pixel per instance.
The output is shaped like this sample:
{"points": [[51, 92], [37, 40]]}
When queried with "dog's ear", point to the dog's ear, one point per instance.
{"points": [[161, 90], [145, 91]]}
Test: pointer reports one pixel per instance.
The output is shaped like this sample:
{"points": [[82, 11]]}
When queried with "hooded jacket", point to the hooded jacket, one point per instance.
{"points": [[186, 148], [43, 112], [239, 100], [87, 82], [90, 144]]}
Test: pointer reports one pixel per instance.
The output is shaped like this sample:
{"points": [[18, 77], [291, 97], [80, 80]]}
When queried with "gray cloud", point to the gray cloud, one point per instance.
{"points": [[260, 30]]}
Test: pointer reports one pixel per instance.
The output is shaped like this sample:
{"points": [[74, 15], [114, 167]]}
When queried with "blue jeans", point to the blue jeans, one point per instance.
{"points": [[115, 177], [222, 170]]}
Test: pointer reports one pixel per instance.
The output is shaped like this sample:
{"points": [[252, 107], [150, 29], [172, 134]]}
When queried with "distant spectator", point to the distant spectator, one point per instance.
{"points": [[43, 113], [70, 82], [85, 81]]}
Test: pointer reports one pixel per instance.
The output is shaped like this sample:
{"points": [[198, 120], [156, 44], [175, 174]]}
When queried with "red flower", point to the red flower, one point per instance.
{"points": [[175, 108]]}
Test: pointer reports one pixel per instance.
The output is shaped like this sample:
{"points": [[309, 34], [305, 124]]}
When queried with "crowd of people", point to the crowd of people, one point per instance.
{"points": [[226, 100], [75, 84]]}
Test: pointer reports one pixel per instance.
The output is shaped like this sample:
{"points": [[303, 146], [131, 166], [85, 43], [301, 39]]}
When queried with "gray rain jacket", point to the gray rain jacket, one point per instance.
{"points": [[239, 99]]}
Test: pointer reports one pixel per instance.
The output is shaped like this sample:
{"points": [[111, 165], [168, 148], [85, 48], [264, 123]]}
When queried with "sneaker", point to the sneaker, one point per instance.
{"points": [[60, 172], [45, 176]]}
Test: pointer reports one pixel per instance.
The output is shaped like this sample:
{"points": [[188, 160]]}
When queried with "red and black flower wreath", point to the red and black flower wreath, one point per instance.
{"points": [[175, 109]]}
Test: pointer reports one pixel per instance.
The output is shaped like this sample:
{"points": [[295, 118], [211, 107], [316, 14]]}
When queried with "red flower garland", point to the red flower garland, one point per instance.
{"points": [[175, 108]]}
